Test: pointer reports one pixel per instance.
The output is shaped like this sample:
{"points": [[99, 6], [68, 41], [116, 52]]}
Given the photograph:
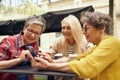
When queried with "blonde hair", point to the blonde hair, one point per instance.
{"points": [[76, 32]]}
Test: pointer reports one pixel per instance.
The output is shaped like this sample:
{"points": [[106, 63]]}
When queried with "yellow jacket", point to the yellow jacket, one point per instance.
{"points": [[101, 62]]}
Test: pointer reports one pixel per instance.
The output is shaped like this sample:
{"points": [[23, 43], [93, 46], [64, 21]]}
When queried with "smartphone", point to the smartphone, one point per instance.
{"points": [[31, 49]]}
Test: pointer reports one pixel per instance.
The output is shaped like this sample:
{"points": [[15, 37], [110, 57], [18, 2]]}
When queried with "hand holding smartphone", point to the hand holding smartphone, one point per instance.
{"points": [[31, 49]]}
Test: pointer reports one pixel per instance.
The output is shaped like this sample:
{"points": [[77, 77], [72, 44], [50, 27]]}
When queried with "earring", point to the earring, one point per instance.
{"points": [[22, 32]]}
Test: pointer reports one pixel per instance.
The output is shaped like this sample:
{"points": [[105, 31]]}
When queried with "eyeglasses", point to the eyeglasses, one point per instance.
{"points": [[85, 28], [31, 31]]}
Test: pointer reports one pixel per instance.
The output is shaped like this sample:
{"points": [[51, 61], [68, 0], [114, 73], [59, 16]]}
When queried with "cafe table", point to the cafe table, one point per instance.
{"points": [[30, 70]]}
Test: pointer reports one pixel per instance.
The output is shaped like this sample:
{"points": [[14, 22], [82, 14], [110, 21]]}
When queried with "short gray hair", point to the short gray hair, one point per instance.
{"points": [[35, 20]]}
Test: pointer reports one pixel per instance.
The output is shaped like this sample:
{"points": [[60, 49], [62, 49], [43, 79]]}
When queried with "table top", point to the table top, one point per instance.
{"points": [[30, 70]]}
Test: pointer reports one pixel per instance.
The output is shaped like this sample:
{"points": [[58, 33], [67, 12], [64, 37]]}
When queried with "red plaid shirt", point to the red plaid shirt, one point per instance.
{"points": [[10, 48]]}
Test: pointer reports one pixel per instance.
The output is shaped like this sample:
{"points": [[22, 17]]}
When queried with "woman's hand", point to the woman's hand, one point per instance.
{"points": [[46, 56], [62, 59], [23, 55], [13, 62], [40, 63]]}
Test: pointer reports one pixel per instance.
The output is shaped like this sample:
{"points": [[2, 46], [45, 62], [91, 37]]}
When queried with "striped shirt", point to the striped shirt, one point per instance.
{"points": [[70, 49]]}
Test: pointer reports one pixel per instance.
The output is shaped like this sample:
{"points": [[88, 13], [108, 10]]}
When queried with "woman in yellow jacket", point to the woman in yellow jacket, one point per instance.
{"points": [[102, 62]]}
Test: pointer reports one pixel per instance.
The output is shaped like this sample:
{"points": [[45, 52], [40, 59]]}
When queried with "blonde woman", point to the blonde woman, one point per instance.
{"points": [[71, 42]]}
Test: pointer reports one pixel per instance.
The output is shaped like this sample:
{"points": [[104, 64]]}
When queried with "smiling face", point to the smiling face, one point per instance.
{"points": [[95, 26], [66, 31], [32, 33], [92, 34]]}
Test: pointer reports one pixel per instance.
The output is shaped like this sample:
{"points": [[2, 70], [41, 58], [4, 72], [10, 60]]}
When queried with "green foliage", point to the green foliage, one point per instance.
{"points": [[40, 78], [26, 8]]}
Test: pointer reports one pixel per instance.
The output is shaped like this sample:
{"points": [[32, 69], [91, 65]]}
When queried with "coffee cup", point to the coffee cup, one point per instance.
{"points": [[72, 56], [58, 55]]}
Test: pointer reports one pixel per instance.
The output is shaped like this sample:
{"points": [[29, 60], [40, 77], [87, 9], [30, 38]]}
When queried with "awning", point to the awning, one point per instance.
{"points": [[53, 20]]}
